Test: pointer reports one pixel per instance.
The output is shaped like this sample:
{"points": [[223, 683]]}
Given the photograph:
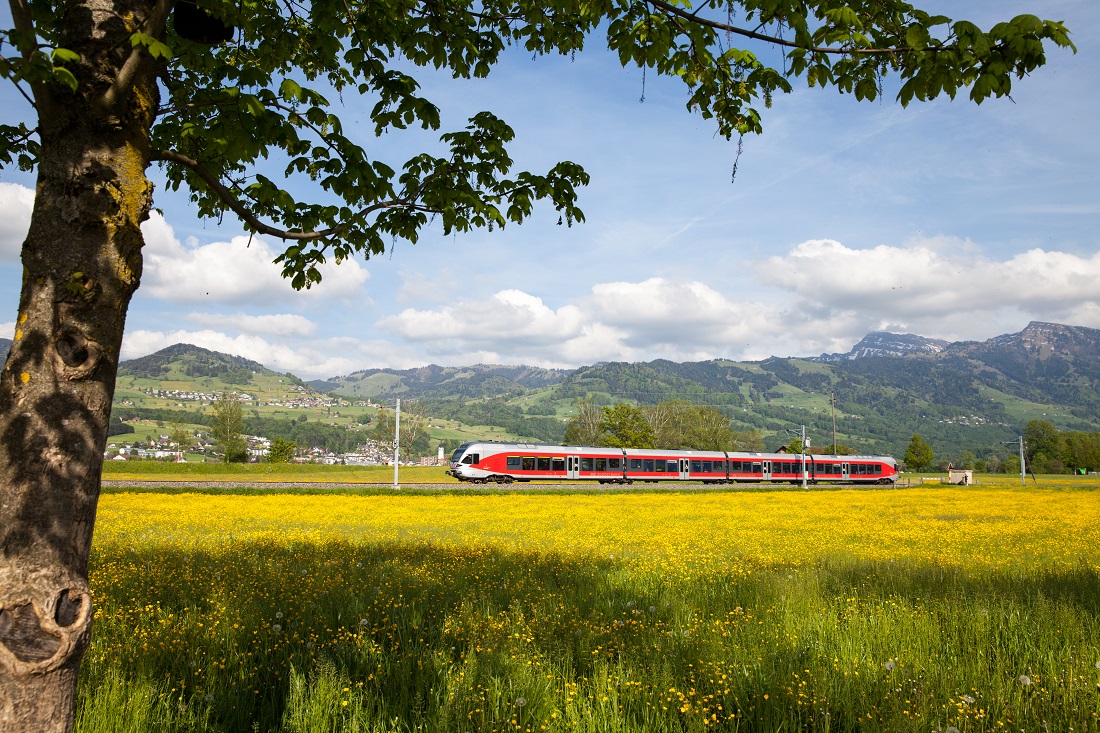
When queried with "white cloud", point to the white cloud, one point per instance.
{"points": [[682, 314], [16, 203], [283, 324], [7, 330], [510, 316], [936, 287], [618, 321], [241, 270]]}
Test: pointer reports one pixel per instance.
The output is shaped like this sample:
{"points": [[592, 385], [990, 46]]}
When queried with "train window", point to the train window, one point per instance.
{"points": [[528, 463], [544, 463], [648, 463], [875, 469], [659, 467], [720, 466], [514, 463], [601, 464], [756, 468], [707, 466], [735, 466], [819, 468], [697, 466], [635, 464], [586, 464], [559, 464], [673, 467], [471, 459], [614, 464]]}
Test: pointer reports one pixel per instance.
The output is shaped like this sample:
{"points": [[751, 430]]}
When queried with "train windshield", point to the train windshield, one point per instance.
{"points": [[459, 451]]}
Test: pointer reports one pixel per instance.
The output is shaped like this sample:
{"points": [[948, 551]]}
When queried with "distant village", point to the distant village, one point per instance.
{"points": [[304, 400], [166, 448]]}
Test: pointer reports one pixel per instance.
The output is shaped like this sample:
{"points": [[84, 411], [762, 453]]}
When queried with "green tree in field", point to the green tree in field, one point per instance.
{"points": [[1082, 450], [749, 440], [918, 455], [249, 93], [585, 427], [414, 439], [281, 451], [709, 429], [180, 435], [227, 425], [670, 420], [624, 426], [1044, 447]]}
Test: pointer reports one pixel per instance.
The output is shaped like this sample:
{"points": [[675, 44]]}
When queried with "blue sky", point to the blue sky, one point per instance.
{"points": [[945, 219]]}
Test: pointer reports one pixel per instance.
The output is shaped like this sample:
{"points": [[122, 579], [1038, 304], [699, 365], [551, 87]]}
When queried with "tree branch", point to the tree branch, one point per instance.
{"points": [[234, 203], [22, 91], [154, 26], [24, 26], [691, 17]]}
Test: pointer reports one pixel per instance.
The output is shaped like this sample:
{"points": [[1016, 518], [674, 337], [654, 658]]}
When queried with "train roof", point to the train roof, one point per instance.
{"points": [[502, 447]]}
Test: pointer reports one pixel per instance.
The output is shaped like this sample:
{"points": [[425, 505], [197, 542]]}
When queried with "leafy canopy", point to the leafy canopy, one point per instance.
{"points": [[270, 99]]}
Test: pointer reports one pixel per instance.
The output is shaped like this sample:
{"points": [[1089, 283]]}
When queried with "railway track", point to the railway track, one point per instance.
{"points": [[516, 486]]}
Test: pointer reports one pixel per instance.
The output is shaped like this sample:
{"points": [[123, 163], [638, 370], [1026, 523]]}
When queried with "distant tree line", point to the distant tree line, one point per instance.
{"points": [[1049, 450], [671, 425], [497, 413]]}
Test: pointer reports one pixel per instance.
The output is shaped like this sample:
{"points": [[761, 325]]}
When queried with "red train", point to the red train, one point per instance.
{"points": [[507, 462]]}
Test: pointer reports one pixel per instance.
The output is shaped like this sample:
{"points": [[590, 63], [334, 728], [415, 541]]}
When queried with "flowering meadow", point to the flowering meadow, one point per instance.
{"points": [[930, 609]]}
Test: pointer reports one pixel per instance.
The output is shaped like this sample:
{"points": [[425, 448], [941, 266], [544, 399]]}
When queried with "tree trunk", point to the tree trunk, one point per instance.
{"points": [[81, 265]]}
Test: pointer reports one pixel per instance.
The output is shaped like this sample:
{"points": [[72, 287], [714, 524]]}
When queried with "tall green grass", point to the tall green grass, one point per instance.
{"points": [[409, 635]]}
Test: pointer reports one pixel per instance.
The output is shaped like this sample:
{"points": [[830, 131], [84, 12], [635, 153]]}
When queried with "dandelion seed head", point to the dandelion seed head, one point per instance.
{"points": [[278, 614], [364, 622], [209, 697], [520, 702], [1025, 680], [951, 729], [276, 628], [890, 664]]}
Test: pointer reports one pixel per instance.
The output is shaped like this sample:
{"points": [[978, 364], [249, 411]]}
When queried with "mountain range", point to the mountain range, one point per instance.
{"points": [[966, 394]]}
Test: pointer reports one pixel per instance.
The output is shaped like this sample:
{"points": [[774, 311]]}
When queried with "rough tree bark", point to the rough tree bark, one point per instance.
{"points": [[82, 263]]}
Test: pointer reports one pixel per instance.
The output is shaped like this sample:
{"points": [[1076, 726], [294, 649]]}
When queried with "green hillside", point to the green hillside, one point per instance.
{"points": [[963, 397]]}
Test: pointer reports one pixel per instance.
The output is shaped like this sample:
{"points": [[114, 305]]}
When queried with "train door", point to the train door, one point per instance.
{"points": [[573, 466], [844, 469], [767, 470], [685, 468]]}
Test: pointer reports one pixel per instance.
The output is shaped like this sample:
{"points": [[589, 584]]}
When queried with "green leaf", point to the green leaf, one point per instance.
{"points": [[64, 76], [64, 55], [156, 49]]}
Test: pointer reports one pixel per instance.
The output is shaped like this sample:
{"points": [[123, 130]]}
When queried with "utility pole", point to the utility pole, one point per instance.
{"points": [[832, 401], [396, 440], [1023, 468], [801, 433]]}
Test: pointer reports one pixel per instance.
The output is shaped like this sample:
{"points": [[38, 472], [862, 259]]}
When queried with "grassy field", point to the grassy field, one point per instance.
{"points": [[929, 609], [261, 473]]}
